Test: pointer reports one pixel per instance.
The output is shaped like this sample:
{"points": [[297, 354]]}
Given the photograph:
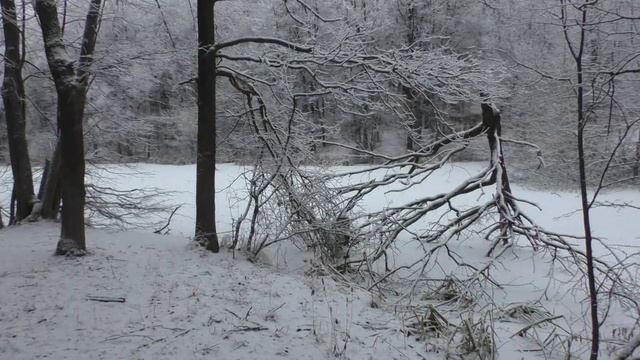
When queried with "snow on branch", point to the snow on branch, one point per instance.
{"points": [[261, 40]]}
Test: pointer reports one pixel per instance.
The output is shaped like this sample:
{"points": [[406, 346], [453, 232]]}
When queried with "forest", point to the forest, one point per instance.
{"points": [[349, 179]]}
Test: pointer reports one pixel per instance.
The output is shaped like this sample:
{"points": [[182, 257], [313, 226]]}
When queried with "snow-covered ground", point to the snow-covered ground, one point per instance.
{"points": [[184, 303], [181, 303]]}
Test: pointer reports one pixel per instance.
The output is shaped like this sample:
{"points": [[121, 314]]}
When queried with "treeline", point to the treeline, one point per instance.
{"points": [[347, 80], [142, 96]]}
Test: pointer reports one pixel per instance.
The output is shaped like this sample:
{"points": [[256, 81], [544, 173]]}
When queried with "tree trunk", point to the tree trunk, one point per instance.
{"points": [[636, 166], [492, 121], [71, 79], [586, 218], [14, 103], [71, 109], [50, 195], [205, 231], [12, 207]]}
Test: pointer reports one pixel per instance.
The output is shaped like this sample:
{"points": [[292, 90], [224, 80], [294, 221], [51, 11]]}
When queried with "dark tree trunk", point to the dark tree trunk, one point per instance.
{"points": [[12, 207], [71, 79], [586, 218], [205, 232], [50, 194], [71, 109], [491, 119], [14, 103]]}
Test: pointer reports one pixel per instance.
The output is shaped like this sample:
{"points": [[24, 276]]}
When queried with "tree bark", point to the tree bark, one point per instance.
{"points": [[14, 103], [71, 82], [50, 195], [492, 122], [205, 231], [70, 111]]}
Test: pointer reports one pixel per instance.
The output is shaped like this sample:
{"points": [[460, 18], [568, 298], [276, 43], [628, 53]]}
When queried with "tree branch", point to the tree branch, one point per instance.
{"points": [[261, 40]]}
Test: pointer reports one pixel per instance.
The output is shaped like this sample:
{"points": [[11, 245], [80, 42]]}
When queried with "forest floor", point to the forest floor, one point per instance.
{"points": [[181, 302]]}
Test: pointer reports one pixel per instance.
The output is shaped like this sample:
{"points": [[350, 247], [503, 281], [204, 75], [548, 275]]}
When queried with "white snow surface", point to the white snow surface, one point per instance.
{"points": [[185, 303], [181, 303]]}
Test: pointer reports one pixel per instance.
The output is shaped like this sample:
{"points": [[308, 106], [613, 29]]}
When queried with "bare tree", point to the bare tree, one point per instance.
{"points": [[13, 95], [600, 83], [72, 80], [577, 52], [350, 75], [592, 63], [206, 153]]}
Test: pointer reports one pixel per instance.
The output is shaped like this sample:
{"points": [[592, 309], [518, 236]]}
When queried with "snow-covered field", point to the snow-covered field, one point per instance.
{"points": [[184, 303]]}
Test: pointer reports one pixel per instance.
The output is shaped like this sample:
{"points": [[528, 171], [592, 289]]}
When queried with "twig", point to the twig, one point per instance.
{"points": [[163, 339], [106, 299], [249, 328], [522, 331], [159, 231]]}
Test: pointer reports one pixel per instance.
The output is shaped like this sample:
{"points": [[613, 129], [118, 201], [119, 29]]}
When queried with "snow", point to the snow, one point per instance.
{"points": [[185, 303], [181, 303]]}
